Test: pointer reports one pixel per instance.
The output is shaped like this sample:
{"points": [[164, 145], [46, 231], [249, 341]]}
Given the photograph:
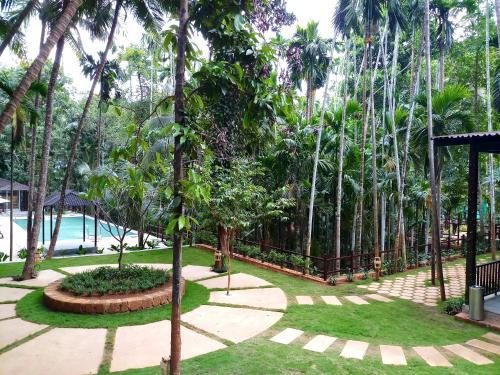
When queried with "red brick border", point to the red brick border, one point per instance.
{"points": [[59, 300]]}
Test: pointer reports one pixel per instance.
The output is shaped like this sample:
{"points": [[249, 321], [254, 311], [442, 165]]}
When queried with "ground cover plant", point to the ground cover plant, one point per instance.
{"points": [[108, 280]]}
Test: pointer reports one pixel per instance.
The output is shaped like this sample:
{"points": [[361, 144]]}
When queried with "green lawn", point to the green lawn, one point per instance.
{"points": [[399, 323]]}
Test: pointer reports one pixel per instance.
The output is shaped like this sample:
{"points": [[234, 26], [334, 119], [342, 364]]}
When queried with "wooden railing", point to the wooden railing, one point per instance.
{"points": [[488, 276]]}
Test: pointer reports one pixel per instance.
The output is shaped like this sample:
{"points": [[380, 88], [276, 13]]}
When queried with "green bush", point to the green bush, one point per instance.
{"points": [[104, 280], [452, 306], [206, 238], [152, 243], [297, 261], [23, 253], [332, 280]]}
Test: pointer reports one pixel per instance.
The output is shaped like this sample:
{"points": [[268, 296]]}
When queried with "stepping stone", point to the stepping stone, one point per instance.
{"points": [[61, 351], [432, 356], [7, 310], [12, 294], [235, 324], [366, 287], [144, 345], [468, 354], [376, 297], [287, 336], [486, 346], [331, 300], [392, 355], [320, 343], [492, 337], [238, 280], [354, 349], [194, 273], [44, 278], [16, 329], [304, 300], [265, 298], [356, 300]]}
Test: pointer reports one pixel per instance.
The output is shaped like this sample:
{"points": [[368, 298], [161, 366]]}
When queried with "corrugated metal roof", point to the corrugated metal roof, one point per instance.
{"points": [[467, 138], [71, 199], [5, 185]]}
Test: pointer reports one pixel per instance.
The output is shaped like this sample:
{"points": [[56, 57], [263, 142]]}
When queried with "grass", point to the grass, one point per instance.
{"points": [[31, 308], [399, 323]]}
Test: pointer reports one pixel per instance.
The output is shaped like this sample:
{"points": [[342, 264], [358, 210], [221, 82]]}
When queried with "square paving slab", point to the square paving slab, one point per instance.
{"points": [[356, 300], [392, 355], [354, 349], [377, 297], [145, 345], [61, 351], [331, 300], [238, 280], [265, 298], [486, 346], [304, 300], [287, 336], [468, 354], [7, 310], [12, 294], [432, 356], [194, 273], [492, 337], [320, 343], [12, 330], [235, 324], [44, 278]]}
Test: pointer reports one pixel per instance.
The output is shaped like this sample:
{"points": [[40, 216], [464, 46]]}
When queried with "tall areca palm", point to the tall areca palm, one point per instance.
{"points": [[308, 61]]}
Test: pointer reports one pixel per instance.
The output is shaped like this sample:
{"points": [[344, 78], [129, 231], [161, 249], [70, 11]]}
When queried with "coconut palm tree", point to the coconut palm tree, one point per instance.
{"points": [[17, 21], [308, 61]]}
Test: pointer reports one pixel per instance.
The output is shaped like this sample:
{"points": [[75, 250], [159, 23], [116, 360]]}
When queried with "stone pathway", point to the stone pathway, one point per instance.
{"points": [[395, 355], [75, 351], [44, 278], [413, 288], [336, 301]]}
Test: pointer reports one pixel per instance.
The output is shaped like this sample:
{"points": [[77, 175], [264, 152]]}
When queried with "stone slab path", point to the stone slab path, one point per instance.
{"points": [[265, 298], [356, 300], [194, 273], [12, 330], [61, 351], [492, 337], [392, 355], [238, 280], [432, 356], [331, 300], [12, 294], [304, 300], [378, 297], [144, 345], [320, 343], [468, 354], [44, 278], [354, 349], [235, 324], [483, 345], [7, 310], [287, 336]]}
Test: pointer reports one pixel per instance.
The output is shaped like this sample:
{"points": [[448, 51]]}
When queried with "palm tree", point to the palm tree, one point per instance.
{"points": [[497, 12], [493, 241], [308, 60], [57, 31], [435, 202], [18, 21], [442, 9]]}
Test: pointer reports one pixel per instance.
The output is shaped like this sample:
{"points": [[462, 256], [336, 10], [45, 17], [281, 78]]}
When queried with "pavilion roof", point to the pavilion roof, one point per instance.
{"points": [[5, 185], [485, 141], [71, 199]]}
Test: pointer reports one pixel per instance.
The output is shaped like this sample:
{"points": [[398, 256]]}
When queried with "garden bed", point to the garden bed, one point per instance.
{"points": [[57, 299]]}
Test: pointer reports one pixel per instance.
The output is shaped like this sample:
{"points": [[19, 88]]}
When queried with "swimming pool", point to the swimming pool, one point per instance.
{"points": [[72, 228]]}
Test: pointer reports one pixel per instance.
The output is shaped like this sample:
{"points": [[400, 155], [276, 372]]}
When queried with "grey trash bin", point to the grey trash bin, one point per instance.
{"points": [[476, 302]]}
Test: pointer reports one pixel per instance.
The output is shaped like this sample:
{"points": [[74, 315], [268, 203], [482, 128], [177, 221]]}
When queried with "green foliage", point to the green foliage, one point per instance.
{"points": [[3, 257], [104, 280], [152, 243], [452, 306], [332, 280], [22, 253]]}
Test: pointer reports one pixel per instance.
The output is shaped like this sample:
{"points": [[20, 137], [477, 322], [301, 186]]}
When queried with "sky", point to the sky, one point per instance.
{"points": [[130, 33]]}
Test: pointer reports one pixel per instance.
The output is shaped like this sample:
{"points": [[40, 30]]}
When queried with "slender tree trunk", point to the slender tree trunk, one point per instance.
{"points": [[11, 205], [57, 31], [497, 12], [81, 123], [32, 161], [316, 156], [28, 270], [493, 241], [180, 67], [17, 24], [338, 205], [435, 202]]}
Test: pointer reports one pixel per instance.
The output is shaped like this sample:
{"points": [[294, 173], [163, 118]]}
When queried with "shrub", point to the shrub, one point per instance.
{"points": [[452, 306], [82, 250], [104, 280], [206, 238], [248, 250], [350, 277], [332, 280], [23, 253], [99, 250], [152, 243], [3, 256], [297, 261]]}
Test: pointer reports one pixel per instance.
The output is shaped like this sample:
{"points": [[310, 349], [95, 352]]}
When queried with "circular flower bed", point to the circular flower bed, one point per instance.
{"points": [[107, 280], [107, 290]]}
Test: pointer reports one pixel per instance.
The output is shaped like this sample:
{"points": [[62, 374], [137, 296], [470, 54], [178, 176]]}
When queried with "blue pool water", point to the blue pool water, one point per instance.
{"points": [[72, 228]]}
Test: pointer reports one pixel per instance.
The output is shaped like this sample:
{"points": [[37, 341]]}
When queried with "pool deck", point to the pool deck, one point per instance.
{"points": [[20, 238]]}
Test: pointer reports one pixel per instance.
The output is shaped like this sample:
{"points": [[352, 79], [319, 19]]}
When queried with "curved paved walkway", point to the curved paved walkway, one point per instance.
{"points": [[253, 307]]}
